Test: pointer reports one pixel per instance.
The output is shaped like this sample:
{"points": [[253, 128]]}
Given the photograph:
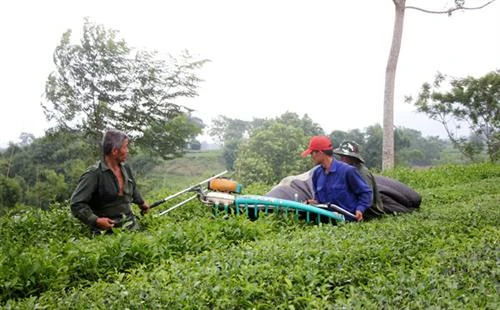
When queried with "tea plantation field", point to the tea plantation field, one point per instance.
{"points": [[445, 255]]}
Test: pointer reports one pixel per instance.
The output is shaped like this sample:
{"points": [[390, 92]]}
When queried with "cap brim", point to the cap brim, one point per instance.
{"points": [[306, 152]]}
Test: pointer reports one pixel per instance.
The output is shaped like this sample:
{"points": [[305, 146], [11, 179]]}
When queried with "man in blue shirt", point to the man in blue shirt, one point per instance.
{"points": [[335, 182]]}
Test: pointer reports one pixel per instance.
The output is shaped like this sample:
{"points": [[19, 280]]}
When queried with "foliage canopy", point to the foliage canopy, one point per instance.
{"points": [[100, 83], [471, 101]]}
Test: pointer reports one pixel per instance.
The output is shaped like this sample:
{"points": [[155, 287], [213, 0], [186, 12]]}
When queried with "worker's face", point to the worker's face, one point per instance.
{"points": [[347, 160], [121, 153], [317, 157]]}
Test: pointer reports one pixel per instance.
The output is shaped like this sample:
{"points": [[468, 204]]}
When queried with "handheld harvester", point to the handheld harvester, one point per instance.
{"points": [[224, 195]]}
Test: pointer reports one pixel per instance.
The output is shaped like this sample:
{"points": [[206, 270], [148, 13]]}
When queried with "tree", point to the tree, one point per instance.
{"points": [[230, 133], [168, 139], [470, 101], [371, 150], [415, 150], [224, 129], [410, 147], [26, 138], [194, 145], [272, 153], [49, 167], [49, 187], [100, 84], [10, 193], [233, 132], [339, 136], [390, 72], [272, 150], [308, 126]]}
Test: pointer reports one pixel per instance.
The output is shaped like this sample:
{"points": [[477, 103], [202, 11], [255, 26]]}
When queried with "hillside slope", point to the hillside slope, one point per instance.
{"points": [[179, 173], [443, 256]]}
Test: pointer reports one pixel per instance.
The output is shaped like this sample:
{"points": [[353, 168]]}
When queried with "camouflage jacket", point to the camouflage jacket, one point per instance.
{"points": [[96, 194], [377, 207]]}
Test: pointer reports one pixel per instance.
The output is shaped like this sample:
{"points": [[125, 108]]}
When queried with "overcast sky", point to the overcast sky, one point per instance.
{"points": [[326, 58]]}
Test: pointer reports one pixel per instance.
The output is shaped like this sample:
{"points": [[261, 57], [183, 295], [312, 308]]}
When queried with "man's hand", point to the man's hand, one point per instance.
{"points": [[144, 208], [104, 223], [359, 216], [311, 202]]}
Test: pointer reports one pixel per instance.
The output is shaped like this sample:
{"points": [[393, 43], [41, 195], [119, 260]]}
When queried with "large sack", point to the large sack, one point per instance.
{"points": [[396, 196], [295, 187]]}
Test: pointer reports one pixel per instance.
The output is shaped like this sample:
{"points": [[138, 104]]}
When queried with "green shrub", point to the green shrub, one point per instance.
{"points": [[443, 256], [444, 175], [10, 192]]}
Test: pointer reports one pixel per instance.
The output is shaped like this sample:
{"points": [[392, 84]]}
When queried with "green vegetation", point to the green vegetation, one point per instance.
{"points": [[179, 173], [443, 256], [466, 101], [45, 170], [101, 82], [266, 150]]}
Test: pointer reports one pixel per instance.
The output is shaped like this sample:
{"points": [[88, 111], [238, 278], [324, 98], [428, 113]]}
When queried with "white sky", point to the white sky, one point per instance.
{"points": [[325, 58]]}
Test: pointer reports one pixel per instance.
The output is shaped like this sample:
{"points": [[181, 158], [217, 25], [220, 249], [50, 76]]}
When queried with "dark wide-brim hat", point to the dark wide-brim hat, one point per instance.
{"points": [[349, 148]]}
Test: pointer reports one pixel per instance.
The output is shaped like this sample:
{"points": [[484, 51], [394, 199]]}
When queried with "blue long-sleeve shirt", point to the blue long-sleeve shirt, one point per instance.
{"points": [[342, 185]]}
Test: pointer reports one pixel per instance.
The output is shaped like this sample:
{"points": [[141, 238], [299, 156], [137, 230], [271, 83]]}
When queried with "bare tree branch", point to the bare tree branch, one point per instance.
{"points": [[450, 10]]}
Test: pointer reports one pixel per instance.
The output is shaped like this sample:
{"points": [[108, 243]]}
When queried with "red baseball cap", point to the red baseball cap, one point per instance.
{"points": [[318, 143]]}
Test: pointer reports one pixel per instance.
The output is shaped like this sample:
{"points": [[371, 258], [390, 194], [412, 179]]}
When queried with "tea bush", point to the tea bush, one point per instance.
{"points": [[443, 256]]}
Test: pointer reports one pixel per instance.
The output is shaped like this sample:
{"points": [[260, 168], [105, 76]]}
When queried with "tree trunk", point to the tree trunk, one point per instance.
{"points": [[10, 161], [390, 77]]}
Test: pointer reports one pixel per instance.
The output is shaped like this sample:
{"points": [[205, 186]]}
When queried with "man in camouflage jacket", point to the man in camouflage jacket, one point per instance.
{"points": [[104, 192]]}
